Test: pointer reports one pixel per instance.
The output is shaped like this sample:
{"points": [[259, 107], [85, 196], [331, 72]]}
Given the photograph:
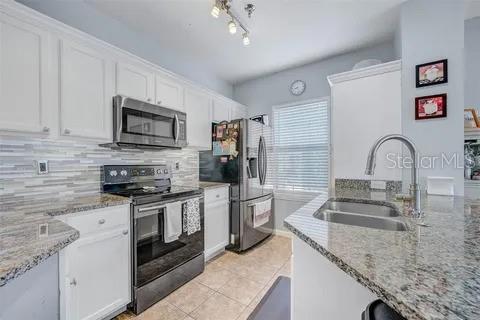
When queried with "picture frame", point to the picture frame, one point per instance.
{"points": [[431, 107], [431, 73], [474, 115]]}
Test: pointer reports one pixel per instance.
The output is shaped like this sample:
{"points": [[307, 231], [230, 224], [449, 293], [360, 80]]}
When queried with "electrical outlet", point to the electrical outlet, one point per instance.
{"points": [[42, 166], [177, 165], [378, 184]]}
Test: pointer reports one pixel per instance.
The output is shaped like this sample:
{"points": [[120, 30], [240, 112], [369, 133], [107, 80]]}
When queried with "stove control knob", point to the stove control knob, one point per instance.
{"points": [[124, 173], [165, 171], [159, 171], [113, 173]]}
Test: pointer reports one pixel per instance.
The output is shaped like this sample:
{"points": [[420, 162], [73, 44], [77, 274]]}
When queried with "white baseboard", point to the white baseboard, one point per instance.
{"points": [[283, 233], [215, 251]]}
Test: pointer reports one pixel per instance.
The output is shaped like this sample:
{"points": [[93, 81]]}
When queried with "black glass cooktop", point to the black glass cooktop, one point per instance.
{"points": [[151, 194]]}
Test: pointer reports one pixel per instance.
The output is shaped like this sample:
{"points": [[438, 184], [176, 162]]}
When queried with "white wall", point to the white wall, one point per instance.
{"points": [[472, 63], [82, 16], [425, 40], [263, 93], [364, 109]]}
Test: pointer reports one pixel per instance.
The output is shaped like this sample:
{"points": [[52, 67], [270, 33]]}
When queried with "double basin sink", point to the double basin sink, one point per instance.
{"points": [[371, 214]]}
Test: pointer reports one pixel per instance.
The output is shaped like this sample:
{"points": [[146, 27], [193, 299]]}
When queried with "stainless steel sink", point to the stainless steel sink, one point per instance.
{"points": [[356, 213], [361, 220], [355, 206]]}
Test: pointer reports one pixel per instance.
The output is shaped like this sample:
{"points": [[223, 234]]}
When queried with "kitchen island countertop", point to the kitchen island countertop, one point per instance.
{"points": [[427, 272]]}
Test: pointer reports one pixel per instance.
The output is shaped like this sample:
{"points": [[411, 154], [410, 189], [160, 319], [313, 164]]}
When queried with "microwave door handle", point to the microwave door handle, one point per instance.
{"points": [[176, 130]]}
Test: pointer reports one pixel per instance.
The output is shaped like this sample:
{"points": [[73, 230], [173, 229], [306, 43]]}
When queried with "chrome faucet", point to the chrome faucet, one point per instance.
{"points": [[414, 186]]}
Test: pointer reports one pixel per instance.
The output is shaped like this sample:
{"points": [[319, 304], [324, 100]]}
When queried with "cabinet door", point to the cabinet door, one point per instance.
{"points": [[221, 110], [198, 106], [239, 111], [135, 82], [216, 227], [97, 275], [168, 93], [24, 76], [86, 91]]}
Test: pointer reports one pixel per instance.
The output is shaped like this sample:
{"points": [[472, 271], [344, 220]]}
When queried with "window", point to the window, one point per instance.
{"points": [[301, 147]]}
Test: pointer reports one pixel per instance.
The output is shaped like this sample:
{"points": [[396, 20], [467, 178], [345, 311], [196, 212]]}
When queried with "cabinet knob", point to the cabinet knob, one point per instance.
{"points": [[66, 131], [159, 102], [218, 196], [101, 221], [149, 99], [73, 282], [46, 129], [125, 232]]}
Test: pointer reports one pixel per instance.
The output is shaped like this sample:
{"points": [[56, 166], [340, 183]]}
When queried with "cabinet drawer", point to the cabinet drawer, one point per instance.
{"points": [[216, 194], [100, 219]]}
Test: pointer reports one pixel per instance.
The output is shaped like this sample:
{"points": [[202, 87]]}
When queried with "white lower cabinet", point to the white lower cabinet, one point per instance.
{"points": [[95, 278], [217, 220]]}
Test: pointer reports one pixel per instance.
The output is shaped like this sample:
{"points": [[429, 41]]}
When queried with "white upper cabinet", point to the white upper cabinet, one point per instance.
{"points": [[86, 91], [221, 110], [199, 126], [238, 111], [168, 93], [24, 76], [135, 82]]}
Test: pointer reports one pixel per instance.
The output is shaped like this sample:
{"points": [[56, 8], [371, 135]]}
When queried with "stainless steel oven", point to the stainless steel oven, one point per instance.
{"points": [[159, 267], [141, 124]]}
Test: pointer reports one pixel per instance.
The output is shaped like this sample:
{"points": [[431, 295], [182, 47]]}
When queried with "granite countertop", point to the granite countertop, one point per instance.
{"points": [[22, 246], [428, 272], [211, 185]]}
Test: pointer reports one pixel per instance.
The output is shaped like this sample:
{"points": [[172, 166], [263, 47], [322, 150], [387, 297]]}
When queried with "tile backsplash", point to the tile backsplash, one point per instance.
{"points": [[74, 167]]}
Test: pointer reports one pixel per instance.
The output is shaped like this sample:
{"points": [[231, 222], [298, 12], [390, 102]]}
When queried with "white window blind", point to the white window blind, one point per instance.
{"points": [[301, 147]]}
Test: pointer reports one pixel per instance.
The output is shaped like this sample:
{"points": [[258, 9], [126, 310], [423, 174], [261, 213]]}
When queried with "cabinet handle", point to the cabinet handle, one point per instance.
{"points": [[66, 131], [73, 282], [101, 221], [125, 232], [46, 129]]}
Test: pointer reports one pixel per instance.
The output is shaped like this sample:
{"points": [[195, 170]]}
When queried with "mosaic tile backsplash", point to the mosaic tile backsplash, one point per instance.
{"points": [[74, 167]]}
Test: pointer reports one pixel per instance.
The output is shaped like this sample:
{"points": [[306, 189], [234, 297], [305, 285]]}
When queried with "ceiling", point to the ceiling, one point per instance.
{"points": [[284, 33]]}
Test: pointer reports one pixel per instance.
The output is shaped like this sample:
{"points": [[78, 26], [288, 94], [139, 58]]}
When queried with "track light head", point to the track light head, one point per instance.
{"points": [[232, 27], [246, 39]]}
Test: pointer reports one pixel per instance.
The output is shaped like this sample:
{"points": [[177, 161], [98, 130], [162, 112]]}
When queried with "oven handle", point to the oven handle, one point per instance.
{"points": [[152, 208], [177, 128]]}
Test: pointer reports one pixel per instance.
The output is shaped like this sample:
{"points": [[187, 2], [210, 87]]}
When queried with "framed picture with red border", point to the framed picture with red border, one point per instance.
{"points": [[431, 73], [430, 107]]}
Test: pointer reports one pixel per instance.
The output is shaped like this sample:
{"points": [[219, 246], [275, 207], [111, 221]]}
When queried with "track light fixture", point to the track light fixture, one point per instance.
{"points": [[225, 6]]}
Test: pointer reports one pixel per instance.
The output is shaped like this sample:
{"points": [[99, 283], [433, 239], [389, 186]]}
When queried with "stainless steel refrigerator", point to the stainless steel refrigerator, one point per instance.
{"points": [[241, 155]]}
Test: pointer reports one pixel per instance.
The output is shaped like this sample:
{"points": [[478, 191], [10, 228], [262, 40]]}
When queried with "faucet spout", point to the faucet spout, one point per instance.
{"points": [[371, 160]]}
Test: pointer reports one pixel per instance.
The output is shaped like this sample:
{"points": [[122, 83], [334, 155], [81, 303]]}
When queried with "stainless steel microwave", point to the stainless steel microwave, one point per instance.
{"points": [[141, 124]]}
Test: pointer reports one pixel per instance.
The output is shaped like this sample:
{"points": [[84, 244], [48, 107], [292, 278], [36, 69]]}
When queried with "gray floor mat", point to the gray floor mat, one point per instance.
{"points": [[275, 305]]}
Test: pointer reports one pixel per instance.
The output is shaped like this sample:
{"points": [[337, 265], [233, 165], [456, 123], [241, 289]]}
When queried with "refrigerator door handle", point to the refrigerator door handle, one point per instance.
{"points": [[265, 159], [261, 166], [260, 163]]}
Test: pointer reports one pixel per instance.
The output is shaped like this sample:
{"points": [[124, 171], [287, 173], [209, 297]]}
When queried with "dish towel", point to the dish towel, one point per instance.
{"points": [[191, 216], [262, 212], [173, 221]]}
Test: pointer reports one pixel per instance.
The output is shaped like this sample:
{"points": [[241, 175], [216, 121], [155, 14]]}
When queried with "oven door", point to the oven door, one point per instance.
{"points": [[141, 123], [152, 256]]}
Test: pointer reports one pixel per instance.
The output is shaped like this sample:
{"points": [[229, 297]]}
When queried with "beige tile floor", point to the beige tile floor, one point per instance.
{"points": [[229, 289]]}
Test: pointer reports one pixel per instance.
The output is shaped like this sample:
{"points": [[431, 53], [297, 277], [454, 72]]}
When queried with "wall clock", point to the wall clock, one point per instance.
{"points": [[298, 87]]}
